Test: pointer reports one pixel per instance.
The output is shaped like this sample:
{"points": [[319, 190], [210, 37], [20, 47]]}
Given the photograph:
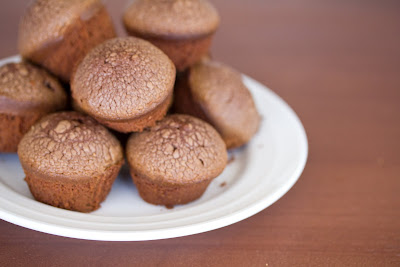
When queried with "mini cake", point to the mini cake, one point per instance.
{"points": [[183, 29], [174, 161], [216, 93], [57, 34], [26, 94], [70, 161], [125, 84]]}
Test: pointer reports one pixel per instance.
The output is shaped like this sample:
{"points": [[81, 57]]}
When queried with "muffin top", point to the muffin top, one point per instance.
{"points": [[69, 145], [26, 87], [44, 22], [123, 78], [171, 18], [224, 98], [179, 149]]}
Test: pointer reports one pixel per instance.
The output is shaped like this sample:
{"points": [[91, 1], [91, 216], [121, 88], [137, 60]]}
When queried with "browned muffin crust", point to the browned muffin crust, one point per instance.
{"points": [[216, 93], [24, 86], [12, 129], [183, 52], [172, 18], [26, 94], [138, 124], [183, 29], [167, 194], [84, 196], [57, 34], [70, 161], [125, 83], [174, 161]]}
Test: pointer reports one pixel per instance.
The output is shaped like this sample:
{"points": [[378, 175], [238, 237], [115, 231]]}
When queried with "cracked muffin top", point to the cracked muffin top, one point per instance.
{"points": [[123, 78], [180, 149], [172, 18], [24, 86], [69, 145], [45, 22]]}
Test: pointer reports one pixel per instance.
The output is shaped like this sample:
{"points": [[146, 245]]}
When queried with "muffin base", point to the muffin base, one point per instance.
{"points": [[138, 124], [13, 127], [168, 194], [184, 52], [61, 57], [84, 195]]}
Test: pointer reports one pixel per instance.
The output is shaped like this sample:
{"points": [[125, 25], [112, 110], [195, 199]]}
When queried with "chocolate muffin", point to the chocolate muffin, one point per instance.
{"points": [[57, 34], [215, 93], [125, 84], [174, 161], [26, 94], [70, 161], [183, 29]]}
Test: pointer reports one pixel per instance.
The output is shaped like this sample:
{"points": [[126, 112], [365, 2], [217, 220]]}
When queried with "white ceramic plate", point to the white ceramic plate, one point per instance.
{"points": [[261, 173]]}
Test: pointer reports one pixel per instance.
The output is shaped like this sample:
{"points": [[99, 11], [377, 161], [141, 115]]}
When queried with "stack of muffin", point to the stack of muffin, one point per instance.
{"points": [[121, 86]]}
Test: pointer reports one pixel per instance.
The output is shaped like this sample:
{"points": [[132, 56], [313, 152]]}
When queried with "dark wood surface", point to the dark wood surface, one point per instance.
{"points": [[337, 63]]}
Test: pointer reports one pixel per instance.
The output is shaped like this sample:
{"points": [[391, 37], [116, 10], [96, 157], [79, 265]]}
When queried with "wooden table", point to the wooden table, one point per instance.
{"points": [[337, 63]]}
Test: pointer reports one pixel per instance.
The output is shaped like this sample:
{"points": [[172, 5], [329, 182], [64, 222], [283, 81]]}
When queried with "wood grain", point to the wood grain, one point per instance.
{"points": [[337, 63]]}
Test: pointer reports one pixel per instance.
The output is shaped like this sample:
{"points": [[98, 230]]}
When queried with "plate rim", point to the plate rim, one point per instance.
{"points": [[170, 232]]}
